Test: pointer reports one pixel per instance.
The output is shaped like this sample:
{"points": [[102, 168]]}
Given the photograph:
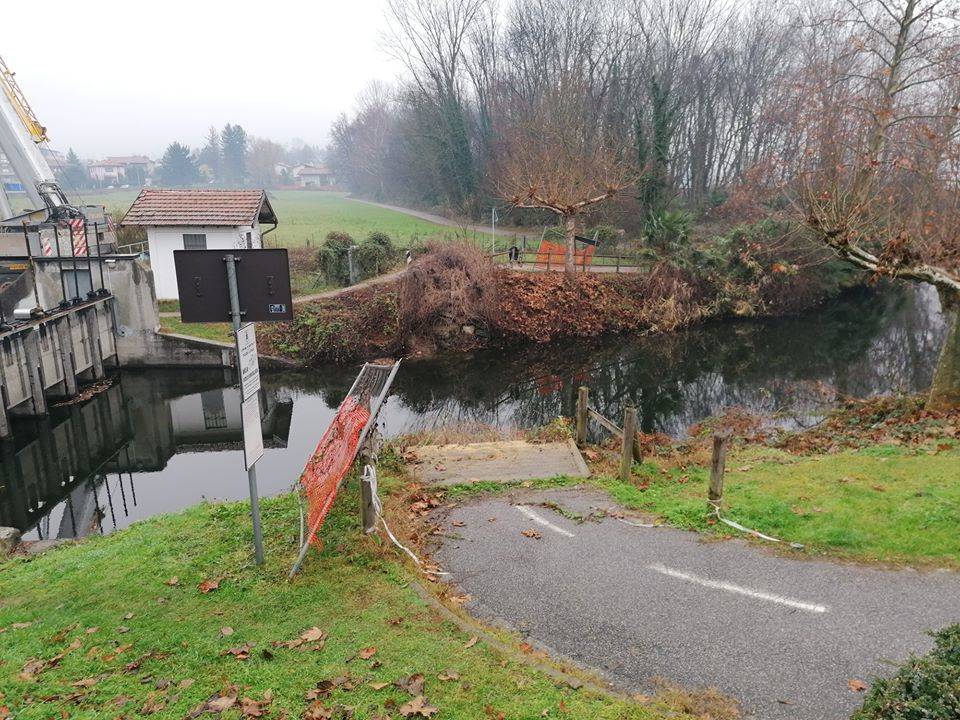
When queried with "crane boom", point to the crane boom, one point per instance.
{"points": [[20, 135]]}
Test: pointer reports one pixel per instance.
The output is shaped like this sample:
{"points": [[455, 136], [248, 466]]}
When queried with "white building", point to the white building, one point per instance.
{"points": [[118, 170], [197, 220], [318, 176]]}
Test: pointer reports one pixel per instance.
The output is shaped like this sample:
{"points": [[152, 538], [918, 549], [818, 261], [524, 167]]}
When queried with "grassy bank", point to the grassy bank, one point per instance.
{"points": [[122, 626], [886, 503], [875, 482]]}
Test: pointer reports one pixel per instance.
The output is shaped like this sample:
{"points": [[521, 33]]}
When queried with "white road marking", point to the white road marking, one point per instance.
{"points": [[543, 521], [730, 587]]}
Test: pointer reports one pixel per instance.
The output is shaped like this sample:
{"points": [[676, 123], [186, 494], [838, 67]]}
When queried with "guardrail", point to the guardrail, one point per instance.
{"points": [[631, 449]]}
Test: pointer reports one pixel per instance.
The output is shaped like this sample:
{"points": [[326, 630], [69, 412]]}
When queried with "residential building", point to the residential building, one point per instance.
{"points": [[122, 170], [319, 176], [197, 220]]}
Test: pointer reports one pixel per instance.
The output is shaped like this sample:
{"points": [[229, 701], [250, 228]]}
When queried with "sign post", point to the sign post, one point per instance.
{"points": [[255, 287], [249, 369]]}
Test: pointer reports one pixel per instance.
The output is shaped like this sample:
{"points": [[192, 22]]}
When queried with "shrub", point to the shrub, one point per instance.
{"points": [[375, 255], [451, 285], [607, 236], [669, 230], [332, 257], [925, 688]]}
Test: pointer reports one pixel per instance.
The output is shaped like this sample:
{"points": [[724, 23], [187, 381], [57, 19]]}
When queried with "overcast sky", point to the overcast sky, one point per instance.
{"points": [[116, 77]]}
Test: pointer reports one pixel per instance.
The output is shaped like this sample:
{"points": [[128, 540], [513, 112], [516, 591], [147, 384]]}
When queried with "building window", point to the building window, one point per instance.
{"points": [[249, 241], [194, 241]]}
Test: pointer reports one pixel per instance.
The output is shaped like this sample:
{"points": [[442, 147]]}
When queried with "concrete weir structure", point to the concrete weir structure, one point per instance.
{"points": [[109, 318]]}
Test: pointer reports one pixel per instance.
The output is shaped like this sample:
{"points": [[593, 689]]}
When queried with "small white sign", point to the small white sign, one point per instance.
{"points": [[252, 433], [249, 364]]}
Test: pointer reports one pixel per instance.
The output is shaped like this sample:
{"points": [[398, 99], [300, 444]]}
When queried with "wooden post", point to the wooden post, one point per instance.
{"points": [[583, 404], [629, 434], [717, 467], [368, 514]]}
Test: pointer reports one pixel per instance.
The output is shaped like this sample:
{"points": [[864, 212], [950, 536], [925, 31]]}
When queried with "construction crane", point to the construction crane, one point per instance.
{"points": [[20, 137]]}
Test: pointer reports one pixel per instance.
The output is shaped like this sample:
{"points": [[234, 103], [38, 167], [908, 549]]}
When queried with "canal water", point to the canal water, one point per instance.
{"points": [[160, 441]]}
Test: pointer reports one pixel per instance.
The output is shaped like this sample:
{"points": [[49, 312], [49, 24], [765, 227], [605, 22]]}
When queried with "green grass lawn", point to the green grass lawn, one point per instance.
{"points": [[884, 503], [306, 216], [221, 332], [118, 627]]}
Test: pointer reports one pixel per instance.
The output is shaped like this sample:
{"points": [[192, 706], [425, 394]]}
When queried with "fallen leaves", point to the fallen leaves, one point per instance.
{"points": [[172, 582], [226, 631], [856, 685], [471, 642], [367, 653], [240, 653], [208, 586], [218, 703], [448, 675], [418, 707], [34, 667], [533, 534], [412, 684], [315, 637]]}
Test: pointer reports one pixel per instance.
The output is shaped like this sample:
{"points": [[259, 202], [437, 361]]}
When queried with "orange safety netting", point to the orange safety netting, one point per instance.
{"points": [[331, 461], [553, 254]]}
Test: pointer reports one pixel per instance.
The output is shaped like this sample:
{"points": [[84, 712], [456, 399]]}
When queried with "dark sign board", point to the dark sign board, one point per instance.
{"points": [[263, 284]]}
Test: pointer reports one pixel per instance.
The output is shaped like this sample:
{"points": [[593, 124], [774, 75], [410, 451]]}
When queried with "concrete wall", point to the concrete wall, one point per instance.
{"points": [[164, 240], [134, 310]]}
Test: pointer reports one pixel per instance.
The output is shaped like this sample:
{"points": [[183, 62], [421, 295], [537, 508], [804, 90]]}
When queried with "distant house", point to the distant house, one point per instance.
{"points": [[197, 220], [121, 170], [319, 176]]}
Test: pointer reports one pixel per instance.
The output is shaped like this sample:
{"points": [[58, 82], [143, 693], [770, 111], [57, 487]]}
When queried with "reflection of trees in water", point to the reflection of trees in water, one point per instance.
{"points": [[866, 344]]}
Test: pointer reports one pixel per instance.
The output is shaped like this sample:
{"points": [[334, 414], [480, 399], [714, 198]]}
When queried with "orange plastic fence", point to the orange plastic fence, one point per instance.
{"points": [[552, 253], [331, 461]]}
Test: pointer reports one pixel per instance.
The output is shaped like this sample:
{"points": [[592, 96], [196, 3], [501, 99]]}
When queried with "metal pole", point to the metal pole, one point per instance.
{"points": [[96, 237], [63, 281], [86, 236], [493, 230], [252, 472], [33, 269], [76, 280]]}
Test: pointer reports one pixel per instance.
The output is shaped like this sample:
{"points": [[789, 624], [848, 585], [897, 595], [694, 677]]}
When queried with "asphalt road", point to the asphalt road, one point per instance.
{"points": [[783, 636]]}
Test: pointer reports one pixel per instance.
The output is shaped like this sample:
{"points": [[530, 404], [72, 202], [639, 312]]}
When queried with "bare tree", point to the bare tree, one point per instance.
{"points": [[553, 156], [879, 170]]}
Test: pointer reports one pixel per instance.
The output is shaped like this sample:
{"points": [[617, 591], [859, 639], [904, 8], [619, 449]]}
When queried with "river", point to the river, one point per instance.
{"points": [[159, 441]]}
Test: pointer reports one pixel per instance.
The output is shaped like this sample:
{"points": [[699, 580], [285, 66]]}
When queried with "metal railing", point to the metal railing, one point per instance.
{"points": [[583, 262]]}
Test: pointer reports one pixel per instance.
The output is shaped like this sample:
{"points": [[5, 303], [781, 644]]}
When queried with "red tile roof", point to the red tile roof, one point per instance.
{"points": [[210, 208]]}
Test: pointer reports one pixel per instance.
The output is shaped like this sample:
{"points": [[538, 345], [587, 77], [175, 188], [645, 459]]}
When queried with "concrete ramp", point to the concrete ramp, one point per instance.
{"points": [[508, 461]]}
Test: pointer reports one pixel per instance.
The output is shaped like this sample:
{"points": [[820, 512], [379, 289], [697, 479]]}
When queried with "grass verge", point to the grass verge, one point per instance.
{"points": [[221, 332], [884, 503], [121, 626]]}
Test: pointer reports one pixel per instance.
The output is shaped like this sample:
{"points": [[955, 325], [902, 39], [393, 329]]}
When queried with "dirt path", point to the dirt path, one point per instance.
{"points": [[784, 636], [300, 299]]}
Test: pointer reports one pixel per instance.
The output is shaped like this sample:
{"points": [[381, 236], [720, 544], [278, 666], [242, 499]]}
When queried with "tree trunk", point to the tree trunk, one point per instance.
{"points": [[570, 235], [945, 390]]}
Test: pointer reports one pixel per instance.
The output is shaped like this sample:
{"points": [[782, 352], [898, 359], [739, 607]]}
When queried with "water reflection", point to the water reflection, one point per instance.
{"points": [[160, 441], [77, 471]]}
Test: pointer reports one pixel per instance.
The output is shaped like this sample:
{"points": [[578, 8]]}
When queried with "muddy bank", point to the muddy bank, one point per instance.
{"points": [[452, 309]]}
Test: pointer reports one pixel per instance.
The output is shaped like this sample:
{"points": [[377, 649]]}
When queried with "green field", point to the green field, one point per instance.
{"points": [[306, 216]]}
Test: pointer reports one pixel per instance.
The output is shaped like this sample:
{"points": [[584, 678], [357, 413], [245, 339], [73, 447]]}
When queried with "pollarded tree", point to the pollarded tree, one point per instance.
{"points": [[879, 168], [553, 155]]}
